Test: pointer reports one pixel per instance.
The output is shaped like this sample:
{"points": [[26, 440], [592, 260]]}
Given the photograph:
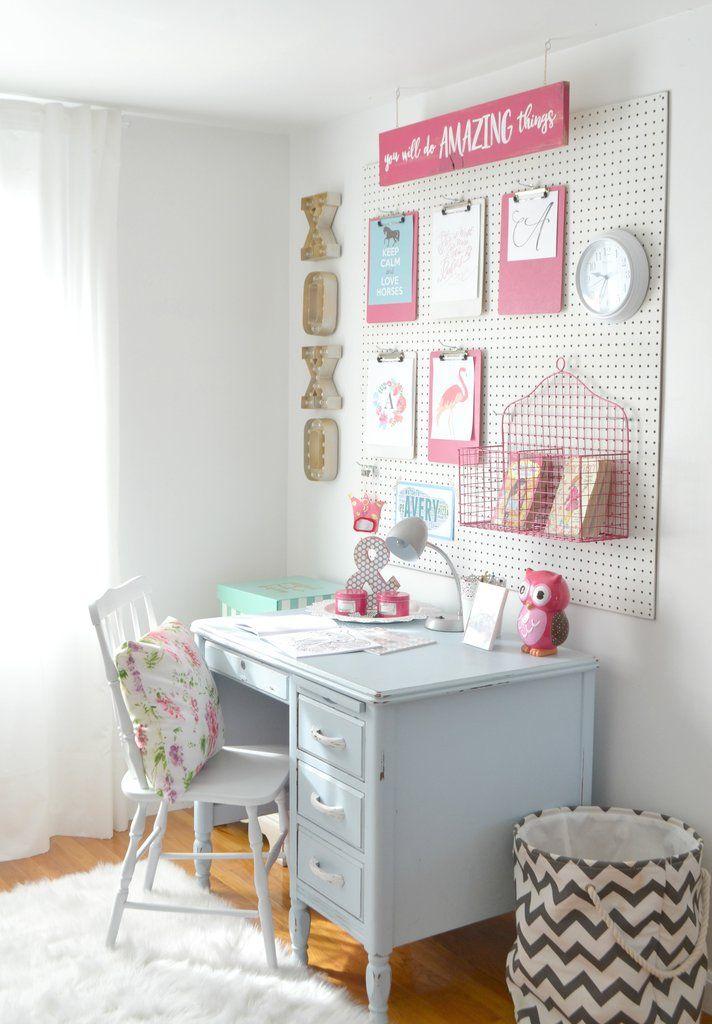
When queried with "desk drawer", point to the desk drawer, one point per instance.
{"points": [[330, 735], [330, 872], [245, 670], [331, 805]]}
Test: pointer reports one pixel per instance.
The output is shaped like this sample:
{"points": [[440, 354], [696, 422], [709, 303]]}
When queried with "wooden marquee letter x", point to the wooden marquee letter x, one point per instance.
{"points": [[321, 391], [320, 211]]}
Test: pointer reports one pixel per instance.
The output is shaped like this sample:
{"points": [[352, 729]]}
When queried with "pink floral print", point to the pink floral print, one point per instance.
{"points": [[169, 706], [211, 718], [174, 705], [141, 737]]}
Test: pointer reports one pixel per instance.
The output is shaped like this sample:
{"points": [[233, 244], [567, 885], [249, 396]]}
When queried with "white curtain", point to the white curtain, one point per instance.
{"points": [[59, 170]]}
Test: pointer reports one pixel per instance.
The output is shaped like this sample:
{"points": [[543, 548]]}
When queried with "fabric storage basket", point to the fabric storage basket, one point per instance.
{"points": [[612, 912]]}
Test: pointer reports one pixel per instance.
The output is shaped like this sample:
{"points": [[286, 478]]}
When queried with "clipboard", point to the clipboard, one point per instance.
{"points": [[457, 260], [442, 449], [392, 268], [534, 285], [390, 405]]}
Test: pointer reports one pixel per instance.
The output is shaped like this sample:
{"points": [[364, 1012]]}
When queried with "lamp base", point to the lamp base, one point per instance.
{"points": [[446, 623]]}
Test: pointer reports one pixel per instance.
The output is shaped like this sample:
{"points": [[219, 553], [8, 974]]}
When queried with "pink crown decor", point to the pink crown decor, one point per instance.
{"points": [[367, 513]]}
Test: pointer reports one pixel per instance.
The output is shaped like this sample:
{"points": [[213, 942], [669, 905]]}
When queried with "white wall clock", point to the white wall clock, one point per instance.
{"points": [[612, 276]]}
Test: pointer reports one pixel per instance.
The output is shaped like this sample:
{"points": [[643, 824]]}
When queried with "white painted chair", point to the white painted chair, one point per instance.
{"points": [[248, 777]]}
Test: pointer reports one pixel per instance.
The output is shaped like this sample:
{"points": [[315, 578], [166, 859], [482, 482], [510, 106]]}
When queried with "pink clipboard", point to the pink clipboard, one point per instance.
{"points": [[441, 450], [394, 312], [532, 286]]}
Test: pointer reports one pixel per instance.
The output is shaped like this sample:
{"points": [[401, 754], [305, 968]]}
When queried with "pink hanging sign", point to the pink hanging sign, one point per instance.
{"points": [[528, 122]]}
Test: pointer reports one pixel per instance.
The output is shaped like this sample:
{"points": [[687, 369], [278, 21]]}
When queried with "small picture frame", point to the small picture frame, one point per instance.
{"points": [[485, 619]]}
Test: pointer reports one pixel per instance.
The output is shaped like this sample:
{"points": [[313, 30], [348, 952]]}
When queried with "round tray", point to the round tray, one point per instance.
{"points": [[327, 608]]}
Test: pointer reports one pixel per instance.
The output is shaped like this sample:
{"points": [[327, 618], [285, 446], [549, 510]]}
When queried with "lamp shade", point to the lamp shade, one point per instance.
{"points": [[408, 538]]}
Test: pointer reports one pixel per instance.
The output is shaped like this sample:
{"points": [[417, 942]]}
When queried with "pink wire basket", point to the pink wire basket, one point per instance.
{"points": [[562, 470]]}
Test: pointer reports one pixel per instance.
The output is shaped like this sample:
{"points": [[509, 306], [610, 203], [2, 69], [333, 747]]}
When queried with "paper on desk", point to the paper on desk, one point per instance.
{"points": [[311, 643], [389, 641], [269, 625]]}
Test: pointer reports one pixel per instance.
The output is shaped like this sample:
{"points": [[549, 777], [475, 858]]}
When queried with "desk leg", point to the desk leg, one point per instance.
{"points": [[378, 986], [299, 925], [203, 827]]}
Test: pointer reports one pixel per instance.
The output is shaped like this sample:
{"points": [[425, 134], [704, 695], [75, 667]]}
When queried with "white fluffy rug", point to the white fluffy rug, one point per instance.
{"points": [[177, 968]]}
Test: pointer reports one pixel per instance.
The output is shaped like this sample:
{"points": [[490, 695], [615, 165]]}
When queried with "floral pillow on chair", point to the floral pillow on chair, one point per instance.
{"points": [[173, 702]]}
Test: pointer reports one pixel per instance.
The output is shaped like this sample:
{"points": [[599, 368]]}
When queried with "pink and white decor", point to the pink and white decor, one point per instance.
{"points": [[455, 403], [367, 513], [392, 604], [173, 702], [531, 254], [528, 122], [351, 601]]}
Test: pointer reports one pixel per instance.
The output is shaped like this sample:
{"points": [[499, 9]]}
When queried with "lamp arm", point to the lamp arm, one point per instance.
{"points": [[454, 572]]}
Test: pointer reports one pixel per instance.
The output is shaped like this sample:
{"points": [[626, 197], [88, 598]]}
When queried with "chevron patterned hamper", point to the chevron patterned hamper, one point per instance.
{"points": [[612, 914]]}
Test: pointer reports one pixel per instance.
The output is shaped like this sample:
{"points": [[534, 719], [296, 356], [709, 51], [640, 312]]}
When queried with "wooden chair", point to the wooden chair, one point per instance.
{"points": [[247, 777]]}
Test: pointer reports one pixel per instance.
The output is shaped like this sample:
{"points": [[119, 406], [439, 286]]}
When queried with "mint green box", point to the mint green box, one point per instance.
{"points": [[273, 595]]}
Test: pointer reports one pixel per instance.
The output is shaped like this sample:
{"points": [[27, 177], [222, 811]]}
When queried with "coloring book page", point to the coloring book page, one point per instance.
{"points": [[452, 399], [456, 261], [532, 228], [390, 407], [315, 643]]}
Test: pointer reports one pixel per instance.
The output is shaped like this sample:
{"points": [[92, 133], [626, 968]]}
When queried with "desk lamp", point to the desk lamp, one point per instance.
{"points": [[408, 540]]}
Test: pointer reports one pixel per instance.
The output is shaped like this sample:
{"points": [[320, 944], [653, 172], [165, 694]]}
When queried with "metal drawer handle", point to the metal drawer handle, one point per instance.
{"points": [[325, 876], [328, 741], [332, 812]]}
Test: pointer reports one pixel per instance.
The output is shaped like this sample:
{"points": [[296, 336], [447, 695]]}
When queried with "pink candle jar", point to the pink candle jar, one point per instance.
{"points": [[392, 604], [350, 602]]}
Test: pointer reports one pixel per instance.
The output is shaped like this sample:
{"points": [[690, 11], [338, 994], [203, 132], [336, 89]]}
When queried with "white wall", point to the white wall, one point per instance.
{"points": [[203, 273], [654, 710]]}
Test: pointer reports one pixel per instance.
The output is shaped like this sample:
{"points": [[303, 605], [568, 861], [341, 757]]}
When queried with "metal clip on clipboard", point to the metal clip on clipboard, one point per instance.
{"points": [[454, 353], [391, 355], [540, 192], [391, 215], [454, 205]]}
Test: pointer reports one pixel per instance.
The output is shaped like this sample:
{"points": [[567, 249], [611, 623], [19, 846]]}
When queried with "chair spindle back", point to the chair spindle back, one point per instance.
{"points": [[123, 613]]}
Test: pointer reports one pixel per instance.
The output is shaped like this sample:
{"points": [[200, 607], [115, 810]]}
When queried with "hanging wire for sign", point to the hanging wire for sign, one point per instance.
{"points": [[547, 50], [399, 88]]}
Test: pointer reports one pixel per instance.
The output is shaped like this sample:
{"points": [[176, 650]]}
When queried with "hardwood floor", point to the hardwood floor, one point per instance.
{"points": [[455, 978]]}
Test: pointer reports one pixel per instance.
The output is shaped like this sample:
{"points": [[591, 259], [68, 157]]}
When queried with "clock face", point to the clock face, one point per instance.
{"points": [[604, 276]]}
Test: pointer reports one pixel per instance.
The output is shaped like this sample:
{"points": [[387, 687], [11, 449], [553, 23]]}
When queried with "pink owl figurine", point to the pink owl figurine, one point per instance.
{"points": [[542, 622]]}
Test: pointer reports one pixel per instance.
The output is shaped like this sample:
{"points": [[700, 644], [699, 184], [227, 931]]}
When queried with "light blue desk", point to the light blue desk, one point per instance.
{"points": [[407, 773]]}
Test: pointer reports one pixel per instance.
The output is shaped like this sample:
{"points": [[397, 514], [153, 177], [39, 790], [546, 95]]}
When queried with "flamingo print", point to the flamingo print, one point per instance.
{"points": [[450, 398]]}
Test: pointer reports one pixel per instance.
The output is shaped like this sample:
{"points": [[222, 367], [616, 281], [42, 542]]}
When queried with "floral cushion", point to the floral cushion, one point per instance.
{"points": [[173, 702]]}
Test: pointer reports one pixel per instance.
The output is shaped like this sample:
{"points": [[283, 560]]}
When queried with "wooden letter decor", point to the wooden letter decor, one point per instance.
{"points": [[320, 211], [319, 302], [321, 391]]}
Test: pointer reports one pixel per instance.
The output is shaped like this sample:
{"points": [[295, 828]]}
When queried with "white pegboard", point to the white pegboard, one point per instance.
{"points": [[614, 169]]}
